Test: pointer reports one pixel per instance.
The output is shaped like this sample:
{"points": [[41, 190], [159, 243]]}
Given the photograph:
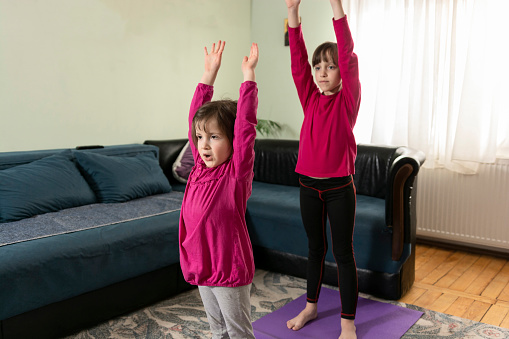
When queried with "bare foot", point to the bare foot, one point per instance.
{"points": [[310, 312], [347, 329]]}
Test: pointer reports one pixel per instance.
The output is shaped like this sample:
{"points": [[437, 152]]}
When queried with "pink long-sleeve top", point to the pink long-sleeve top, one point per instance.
{"points": [[215, 248], [327, 145]]}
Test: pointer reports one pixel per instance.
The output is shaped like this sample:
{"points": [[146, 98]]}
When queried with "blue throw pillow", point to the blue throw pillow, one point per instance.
{"points": [[47, 185], [118, 179]]}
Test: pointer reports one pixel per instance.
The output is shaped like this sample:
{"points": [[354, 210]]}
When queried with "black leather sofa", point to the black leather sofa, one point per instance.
{"points": [[385, 230], [385, 227]]}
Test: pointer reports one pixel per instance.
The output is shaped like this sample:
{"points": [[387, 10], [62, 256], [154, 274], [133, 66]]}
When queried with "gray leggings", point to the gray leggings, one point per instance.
{"points": [[228, 311]]}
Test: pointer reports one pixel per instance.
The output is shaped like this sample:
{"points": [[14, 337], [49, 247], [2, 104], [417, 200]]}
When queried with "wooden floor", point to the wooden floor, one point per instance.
{"points": [[463, 284]]}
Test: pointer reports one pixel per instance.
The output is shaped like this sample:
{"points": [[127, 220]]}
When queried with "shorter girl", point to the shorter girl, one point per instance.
{"points": [[215, 249]]}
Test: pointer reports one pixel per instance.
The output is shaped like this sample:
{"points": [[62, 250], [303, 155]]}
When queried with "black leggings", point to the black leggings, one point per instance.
{"points": [[335, 198]]}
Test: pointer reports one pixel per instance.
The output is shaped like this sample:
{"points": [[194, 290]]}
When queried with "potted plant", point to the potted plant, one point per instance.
{"points": [[267, 127]]}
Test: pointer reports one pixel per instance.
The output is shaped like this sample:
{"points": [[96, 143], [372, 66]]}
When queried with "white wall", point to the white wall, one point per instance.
{"points": [[110, 71]]}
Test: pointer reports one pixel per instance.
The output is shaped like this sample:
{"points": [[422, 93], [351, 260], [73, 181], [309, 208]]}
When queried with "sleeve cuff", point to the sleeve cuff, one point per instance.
{"points": [[205, 86], [340, 20]]}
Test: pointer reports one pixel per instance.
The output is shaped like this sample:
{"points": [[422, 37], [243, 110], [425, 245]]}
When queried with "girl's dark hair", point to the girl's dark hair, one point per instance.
{"points": [[324, 52], [224, 111]]}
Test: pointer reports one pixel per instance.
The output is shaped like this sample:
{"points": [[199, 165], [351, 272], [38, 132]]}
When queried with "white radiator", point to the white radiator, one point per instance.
{"points": [[470, 210]]}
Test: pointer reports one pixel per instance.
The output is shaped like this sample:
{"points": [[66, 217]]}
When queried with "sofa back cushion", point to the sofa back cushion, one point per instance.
{"points": [[13, 159], [372, 167], [275, 161], [122, 178], [46, 185]]}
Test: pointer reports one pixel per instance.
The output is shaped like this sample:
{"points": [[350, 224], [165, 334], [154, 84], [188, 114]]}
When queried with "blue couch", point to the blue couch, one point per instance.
{"points": [[85, 235], [55, 284]]}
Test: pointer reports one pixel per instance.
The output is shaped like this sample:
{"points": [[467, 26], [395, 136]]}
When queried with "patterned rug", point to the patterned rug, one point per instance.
{"points": [[183, 316]]}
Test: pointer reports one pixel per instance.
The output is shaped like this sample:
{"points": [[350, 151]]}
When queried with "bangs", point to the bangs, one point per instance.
{"points": [[223, 111], [201, 124], [327, 52]]}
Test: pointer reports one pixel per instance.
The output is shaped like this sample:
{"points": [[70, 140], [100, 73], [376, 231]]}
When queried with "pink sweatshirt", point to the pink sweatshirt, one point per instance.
{"points": [[215, 249], [327, 145]]}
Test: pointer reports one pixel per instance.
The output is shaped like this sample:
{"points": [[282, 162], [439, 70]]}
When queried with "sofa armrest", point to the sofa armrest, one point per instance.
{"points": [[388, 172], [169, 150], [400, 197]]}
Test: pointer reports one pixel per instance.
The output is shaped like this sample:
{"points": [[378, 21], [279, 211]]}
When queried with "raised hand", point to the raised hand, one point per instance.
{"points": [[337, 9], [249, 63], [292, 3], [212, 63], [213, 59]]}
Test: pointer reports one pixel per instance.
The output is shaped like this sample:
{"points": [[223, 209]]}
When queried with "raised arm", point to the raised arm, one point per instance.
{"points": [[337, 9], [245, 132], [293, 13], [348, 65], [301, 69]]}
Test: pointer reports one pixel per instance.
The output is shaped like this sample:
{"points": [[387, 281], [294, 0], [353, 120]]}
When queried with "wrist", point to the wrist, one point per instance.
{"points": [[292, 11], [249, 75], [208, 78]]}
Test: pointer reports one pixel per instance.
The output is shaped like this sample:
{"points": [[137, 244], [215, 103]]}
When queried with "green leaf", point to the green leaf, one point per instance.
{"points": [[268, 127]]}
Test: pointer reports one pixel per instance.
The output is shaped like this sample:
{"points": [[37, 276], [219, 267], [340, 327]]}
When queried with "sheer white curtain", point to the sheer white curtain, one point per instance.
{"points": [[435, 77]]}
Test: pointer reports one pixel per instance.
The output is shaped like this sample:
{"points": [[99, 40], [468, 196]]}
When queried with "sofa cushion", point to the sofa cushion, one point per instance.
{"points": [[117, 179], [373, 239], [50, 184], [47, 270], [273, 218]]}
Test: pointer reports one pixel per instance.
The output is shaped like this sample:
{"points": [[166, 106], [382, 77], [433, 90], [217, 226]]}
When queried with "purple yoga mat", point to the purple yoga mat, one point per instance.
{"points": [[374, 319]]}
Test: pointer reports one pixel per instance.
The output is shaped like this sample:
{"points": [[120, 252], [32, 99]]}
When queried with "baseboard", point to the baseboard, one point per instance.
{"points": [[465, 247]]}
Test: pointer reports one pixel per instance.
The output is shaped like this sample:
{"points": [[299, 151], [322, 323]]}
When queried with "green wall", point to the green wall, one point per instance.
{"points": [[110, 71], [122, 71], [278, 99]]}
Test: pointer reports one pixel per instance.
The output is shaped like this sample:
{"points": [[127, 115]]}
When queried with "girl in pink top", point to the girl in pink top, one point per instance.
{"points": [[215, 249], [326, 161]]}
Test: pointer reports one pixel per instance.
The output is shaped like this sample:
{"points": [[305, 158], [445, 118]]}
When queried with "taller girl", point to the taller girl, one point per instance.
{"points": [[326, 162]]}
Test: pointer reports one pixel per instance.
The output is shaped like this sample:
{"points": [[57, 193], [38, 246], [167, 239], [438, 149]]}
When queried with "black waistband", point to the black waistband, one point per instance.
{"points": [[323, 184]]}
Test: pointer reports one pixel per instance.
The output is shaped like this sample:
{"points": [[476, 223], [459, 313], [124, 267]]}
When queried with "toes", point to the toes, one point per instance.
{"points": [[292, 325]]}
